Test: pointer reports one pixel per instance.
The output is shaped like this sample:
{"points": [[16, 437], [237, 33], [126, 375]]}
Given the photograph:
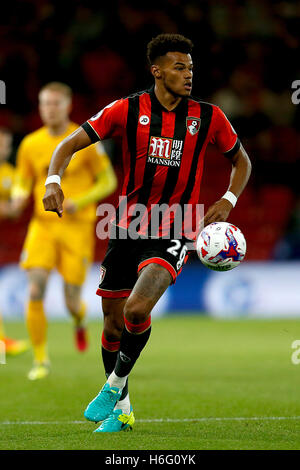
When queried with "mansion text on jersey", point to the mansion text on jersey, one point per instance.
{"points": [[165, 151]]}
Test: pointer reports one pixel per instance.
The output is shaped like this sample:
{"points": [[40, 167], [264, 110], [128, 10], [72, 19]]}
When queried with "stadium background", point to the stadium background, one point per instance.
{"points": [[246, 57]]}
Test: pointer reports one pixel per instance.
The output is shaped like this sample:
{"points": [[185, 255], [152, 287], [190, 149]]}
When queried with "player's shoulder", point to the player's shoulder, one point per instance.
{"points": [[35, 136], [210, 108], [202, 102], [7, 168], [121, 103], [136, 94]]}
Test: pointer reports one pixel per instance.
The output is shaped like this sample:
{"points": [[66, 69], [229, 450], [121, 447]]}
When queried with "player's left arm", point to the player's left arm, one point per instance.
{"points": [[225, 138], [23, 179], [240, 173]]}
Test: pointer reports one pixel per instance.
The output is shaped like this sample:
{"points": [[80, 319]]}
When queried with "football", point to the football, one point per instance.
{"points": [[221, 246]]}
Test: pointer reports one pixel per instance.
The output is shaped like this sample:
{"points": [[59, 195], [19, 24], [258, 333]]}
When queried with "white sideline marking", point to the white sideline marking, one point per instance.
{"points": [[166, 420]]}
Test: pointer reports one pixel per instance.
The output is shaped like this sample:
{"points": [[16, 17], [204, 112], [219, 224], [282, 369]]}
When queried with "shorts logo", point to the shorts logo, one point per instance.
{"points": [[102, 274], [165, 151], [144, 120], [193, 125]]}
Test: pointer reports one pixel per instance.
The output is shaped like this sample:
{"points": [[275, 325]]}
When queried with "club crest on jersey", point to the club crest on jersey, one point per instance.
{"points": [[102, 274], [193, 124], [165, 151]]}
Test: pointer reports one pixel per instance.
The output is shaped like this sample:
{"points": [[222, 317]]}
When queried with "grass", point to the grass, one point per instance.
{"points": [[193, 368]]}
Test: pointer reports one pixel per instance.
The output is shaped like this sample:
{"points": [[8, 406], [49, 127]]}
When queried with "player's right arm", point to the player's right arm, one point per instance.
{"points": [[61, 157], [109, 122], [228, 143], [23, 179]]}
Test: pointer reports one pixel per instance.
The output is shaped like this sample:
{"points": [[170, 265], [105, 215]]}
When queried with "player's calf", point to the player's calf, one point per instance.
{"points": [[77, 310], [152, 283], [37, 278]]}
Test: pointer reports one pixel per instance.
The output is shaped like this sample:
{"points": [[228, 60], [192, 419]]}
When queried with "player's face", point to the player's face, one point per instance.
{"points": [[54, 107], [176, 70], [5, 146]]}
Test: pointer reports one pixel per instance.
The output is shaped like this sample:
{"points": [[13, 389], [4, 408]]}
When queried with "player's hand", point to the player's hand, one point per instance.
{"points": [[218, 212], [53, 199], [70, 206]]}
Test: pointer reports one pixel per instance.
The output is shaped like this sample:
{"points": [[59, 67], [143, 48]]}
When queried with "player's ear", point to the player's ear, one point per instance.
{"points": [[156, 72], [69, 106]]}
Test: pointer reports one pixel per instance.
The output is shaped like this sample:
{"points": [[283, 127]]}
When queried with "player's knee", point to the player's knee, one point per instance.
{"points": [[36, 291], [136, 312], [113, 314], [113, 326], [72, 298], [112, 333], [72, 305]]}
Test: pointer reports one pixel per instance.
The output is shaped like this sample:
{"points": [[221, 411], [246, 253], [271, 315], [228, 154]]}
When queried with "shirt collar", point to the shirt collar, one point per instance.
{"points": [[156, 105]]}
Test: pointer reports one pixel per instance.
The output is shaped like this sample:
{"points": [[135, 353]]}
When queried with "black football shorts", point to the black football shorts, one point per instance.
{"points": [[125, 258]]}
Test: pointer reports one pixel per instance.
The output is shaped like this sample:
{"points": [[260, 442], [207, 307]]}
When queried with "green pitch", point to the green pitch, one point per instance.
{"points": [[225, 385]]}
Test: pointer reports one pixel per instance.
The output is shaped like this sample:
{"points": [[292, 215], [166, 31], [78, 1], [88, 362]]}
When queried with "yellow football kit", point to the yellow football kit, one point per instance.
{"points": [[65, 243], [7, 172]]}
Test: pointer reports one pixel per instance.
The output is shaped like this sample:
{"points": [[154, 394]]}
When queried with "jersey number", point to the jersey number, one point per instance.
{"points": [[174, 250]]}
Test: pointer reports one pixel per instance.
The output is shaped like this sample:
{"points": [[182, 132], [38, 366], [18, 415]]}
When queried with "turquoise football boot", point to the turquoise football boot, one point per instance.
{"points": [[102, 406], [117, 421]]}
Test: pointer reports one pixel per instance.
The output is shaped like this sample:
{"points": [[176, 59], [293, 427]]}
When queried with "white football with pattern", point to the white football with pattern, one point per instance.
{"points": [[221, 246]]}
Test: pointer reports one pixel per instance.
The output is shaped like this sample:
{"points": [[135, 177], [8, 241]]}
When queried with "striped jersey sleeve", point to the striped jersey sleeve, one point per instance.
{"points": [[223, 134], [108, 123]]}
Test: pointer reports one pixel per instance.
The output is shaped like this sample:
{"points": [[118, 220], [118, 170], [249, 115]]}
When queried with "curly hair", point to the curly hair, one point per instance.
{"points": [[164, 43]]}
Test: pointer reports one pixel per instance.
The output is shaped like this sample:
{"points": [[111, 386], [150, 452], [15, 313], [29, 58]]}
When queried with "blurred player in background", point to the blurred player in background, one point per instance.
{"points": [[65, 244], [7, 172]]}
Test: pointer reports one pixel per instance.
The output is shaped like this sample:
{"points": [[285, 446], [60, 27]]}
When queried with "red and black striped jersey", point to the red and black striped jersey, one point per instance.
{"points": [[163, 153]]}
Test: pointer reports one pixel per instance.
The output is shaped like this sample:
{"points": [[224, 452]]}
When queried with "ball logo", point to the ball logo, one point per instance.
{"points": [[144, 120]]}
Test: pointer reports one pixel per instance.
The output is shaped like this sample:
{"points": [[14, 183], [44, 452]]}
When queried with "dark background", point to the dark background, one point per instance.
{"points": [[246, 57]]}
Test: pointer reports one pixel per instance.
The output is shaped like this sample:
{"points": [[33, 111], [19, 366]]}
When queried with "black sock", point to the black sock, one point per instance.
{"points": [[109, 360], [131, 346]]}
